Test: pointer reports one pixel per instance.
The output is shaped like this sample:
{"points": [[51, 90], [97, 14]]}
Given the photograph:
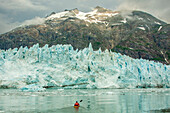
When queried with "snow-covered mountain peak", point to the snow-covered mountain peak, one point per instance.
{"points": [[98, 15], [102, 10], [57, 15]]}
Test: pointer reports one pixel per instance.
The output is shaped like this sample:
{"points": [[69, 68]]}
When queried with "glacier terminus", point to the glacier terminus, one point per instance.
{"points": [[60, 66]]}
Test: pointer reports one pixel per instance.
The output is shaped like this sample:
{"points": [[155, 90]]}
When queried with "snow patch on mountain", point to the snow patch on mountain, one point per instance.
{"points": [[160, 28], [142, 28], [158, 23], [124, 21], [57, 15], [140, 18], [93, 17]]}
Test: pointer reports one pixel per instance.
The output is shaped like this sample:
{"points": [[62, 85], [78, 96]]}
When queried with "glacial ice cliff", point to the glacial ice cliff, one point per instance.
{"points": [[62, 66]]}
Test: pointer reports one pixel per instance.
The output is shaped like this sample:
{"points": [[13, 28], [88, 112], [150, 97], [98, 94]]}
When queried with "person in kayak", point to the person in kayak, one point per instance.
{"points": [[76, 104]]}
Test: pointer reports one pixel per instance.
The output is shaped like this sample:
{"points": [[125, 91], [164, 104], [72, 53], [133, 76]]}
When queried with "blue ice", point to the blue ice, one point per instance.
{"points": [[62, 66]]}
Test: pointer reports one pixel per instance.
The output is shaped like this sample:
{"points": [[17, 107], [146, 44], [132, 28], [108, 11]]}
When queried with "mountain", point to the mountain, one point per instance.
{"points": [[133, 33]]}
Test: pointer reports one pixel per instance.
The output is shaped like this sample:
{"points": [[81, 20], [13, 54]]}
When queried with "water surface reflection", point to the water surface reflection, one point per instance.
{"points": [[94, 100]]}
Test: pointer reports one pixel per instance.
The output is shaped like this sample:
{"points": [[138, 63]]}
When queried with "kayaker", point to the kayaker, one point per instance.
{"points": [[77, 104]]}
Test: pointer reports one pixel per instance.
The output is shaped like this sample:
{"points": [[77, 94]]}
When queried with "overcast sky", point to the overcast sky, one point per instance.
{"points": [[14, 13]]}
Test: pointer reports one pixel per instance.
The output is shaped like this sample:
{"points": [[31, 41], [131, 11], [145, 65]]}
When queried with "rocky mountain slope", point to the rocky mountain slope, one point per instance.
{"points": [[133, 33]]}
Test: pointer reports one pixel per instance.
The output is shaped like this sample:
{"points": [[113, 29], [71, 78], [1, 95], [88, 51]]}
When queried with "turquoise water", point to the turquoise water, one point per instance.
{"points": [[94, 101]]}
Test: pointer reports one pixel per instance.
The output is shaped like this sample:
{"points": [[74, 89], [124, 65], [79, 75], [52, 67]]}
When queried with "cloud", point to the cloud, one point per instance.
{"points": [[14, 13], [34, 21], [158, 8], [6, 24], [21, 5]]}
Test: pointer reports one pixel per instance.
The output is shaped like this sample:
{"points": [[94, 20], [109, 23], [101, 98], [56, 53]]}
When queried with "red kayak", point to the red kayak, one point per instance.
{"points": [[76, 107]]}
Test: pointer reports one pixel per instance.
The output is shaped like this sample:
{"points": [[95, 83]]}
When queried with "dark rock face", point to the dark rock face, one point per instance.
{"points": [[133, 33]]}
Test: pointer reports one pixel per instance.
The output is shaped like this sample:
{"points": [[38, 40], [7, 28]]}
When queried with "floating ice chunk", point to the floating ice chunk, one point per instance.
{"points": [[32, 88]]}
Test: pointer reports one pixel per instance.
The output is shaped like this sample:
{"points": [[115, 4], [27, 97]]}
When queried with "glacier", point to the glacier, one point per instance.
{"points": [[60, 66]]}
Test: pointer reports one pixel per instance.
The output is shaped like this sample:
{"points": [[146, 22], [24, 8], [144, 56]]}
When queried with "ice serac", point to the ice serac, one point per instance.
{"points": [[62, 66]]}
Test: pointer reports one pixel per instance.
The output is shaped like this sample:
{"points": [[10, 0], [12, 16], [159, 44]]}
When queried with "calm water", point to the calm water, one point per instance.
{"points": [[94, 101]]}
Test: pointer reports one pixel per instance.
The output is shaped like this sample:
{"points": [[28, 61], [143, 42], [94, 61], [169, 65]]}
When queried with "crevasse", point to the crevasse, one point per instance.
{"points": [[62, 66]]}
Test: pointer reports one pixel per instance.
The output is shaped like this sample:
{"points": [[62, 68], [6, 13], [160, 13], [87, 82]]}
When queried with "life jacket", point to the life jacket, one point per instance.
{"points": [[76, 104]]}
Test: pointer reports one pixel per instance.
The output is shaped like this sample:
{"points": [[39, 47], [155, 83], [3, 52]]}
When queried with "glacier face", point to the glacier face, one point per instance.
{"points": [[61, 66]]}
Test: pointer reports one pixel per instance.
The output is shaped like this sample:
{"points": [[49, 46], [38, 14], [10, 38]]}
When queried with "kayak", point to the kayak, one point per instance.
{"points": [[76, 106]]}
